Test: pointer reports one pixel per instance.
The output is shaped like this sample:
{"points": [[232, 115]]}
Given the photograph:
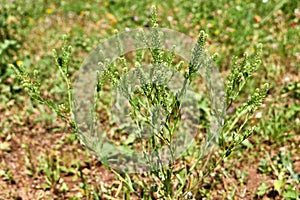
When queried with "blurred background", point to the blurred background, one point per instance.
{"points": [[40, 157]]}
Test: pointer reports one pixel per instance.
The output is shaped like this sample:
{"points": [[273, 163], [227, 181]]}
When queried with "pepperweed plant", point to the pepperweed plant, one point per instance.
{"points": [[138, 104]]}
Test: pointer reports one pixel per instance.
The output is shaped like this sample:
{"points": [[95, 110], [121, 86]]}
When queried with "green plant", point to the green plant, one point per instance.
{"points": [[7, 176], [262, 189], [181, 178], [51, 168], [30, 168], [11, 34]]}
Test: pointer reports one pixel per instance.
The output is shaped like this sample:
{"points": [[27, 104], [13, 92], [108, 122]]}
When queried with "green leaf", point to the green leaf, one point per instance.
{"points": [[5, 146], [293, 194], [262, 189], [278, 185], [29, 173], [130, 139], [247, 143], [2, 172]]}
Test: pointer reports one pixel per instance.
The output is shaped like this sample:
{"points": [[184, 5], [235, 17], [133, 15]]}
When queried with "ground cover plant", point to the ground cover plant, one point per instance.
{"points": [[257, 154]]}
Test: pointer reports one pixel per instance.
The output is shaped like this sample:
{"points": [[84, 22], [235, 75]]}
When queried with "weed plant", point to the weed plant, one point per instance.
{"points": [[180, 178]]}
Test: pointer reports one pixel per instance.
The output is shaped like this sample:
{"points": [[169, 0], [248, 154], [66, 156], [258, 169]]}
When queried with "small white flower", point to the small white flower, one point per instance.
{"points": [[219, 12], [170, 18], [258, 115], [286, 79], [297, 12], [188, 195], [274, 45], [135, 18]]}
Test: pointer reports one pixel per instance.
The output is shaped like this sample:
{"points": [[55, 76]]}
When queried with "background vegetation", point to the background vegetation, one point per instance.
{"points": [[41, 157]]}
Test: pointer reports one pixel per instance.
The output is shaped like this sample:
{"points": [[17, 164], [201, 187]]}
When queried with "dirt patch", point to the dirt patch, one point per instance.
{"points": [[34, 147]]}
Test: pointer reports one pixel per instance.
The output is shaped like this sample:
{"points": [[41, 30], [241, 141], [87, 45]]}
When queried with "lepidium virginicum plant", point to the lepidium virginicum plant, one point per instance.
{"points": [[179, 178]]}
